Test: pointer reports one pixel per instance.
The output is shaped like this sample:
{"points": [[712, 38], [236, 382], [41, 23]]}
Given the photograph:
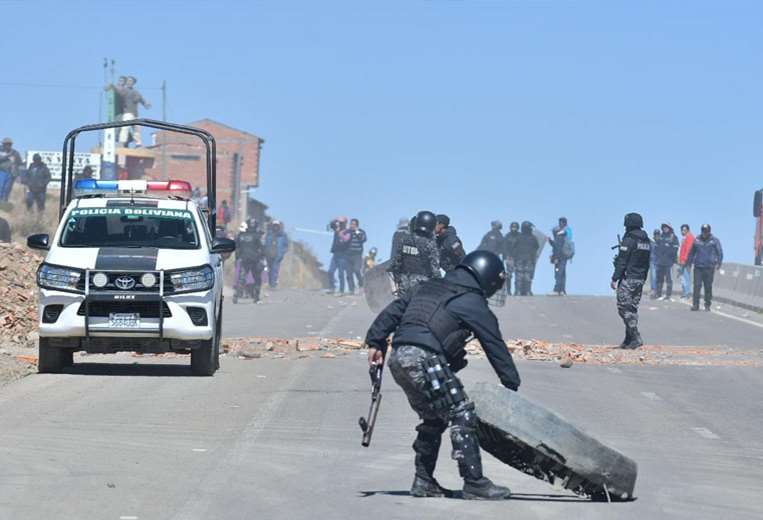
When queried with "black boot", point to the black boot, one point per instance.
{"points": [[627, 339], [466, 450], [428, 487], [427, 447], [484, 489], [635, 341]]}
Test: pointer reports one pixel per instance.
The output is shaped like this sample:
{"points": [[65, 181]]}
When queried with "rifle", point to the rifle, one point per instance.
{"points": [[367, 424], [616, 246]]}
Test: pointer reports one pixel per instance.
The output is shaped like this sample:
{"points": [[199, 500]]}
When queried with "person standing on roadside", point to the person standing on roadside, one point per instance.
{"points": [[493, 239], [10, 161], [631, 267], [562, 250], [684, 270], [509, 254], [37, 180], [339, 246], [355, 255], [666, 252], [276, 247], [706, 256]]}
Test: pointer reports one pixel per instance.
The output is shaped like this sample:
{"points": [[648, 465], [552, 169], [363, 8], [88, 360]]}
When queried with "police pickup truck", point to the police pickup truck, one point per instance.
{"points": [[133, 266]]}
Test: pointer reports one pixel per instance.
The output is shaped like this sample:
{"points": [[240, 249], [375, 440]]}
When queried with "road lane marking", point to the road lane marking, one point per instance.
{"points": [[704, 432], [651, 396], [615, 370], [199, 450], [731, 316], [128, 518]]}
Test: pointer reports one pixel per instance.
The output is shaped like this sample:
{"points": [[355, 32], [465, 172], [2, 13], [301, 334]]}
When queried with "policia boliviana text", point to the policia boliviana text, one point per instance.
{"points": [[431, 324]]}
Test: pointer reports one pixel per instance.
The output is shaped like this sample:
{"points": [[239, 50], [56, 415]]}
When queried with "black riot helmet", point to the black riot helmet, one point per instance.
{"points": [[425, 223], [487, 268], [633, 221], [514, 226]]}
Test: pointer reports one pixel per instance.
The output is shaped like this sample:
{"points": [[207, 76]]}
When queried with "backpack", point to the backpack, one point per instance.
{"points": [[568, 249]]}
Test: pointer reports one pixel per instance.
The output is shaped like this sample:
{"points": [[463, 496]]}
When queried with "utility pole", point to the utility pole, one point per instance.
{"points": [[164, 118]]}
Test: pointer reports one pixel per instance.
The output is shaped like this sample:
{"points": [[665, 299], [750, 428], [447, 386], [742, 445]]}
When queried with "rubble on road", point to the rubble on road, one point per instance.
{"points": [[566, 355], [18, 295]]}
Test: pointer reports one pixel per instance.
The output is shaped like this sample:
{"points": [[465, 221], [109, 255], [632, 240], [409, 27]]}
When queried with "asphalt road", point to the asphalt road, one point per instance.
{"points": [[279, 439], [579, 319]]}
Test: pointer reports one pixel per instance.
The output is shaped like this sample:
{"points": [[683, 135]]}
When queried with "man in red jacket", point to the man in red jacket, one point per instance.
{"points": [[684, 270]]}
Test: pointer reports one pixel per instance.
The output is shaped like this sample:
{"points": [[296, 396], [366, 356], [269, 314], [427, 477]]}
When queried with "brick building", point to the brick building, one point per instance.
{"points": [[179, 156]]}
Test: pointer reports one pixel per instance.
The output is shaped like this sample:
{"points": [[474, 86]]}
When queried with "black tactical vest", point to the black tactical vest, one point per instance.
{"points": [[426, 312], [415, 259]]}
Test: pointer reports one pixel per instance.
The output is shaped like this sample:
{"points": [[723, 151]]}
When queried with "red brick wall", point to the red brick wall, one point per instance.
{"points": [[181, 149]]}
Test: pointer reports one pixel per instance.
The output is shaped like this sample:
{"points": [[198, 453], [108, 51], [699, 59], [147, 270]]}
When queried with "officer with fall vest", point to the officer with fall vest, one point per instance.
{"points": [[431, 324], [415, 258], [631, 268]]}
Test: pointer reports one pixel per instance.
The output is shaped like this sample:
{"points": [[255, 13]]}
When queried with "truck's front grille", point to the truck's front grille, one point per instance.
{"points": [[144, 309]]}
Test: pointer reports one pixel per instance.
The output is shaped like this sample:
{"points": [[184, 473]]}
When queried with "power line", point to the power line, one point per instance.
{"points": [[56, 85]]}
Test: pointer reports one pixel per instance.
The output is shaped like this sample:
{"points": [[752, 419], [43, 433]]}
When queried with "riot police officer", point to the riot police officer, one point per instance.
{"points": [[449, 246], [631, 268], [431, 324], [415, 257], [250, 257]]}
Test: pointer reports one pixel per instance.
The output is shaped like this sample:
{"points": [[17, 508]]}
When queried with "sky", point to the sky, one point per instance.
{"points": [[515, 110]]}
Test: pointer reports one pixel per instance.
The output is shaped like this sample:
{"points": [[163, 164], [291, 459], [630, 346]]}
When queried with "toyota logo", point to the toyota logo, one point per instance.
{"points": [[125, 283]]}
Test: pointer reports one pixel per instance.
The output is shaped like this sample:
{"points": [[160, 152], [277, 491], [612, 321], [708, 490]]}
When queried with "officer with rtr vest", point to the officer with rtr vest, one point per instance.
{"points": [[415, 258], [631, 268], [431, 324]]}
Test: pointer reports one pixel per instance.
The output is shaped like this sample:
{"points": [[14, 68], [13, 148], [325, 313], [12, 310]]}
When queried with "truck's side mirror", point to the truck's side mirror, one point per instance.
{"points": [[40, 241], [223, 245]]}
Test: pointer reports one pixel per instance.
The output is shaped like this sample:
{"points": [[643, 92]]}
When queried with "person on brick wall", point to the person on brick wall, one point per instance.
{"points": [[276, 246]]}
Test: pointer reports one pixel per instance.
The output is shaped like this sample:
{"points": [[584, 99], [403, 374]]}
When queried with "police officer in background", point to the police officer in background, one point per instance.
{"points": [[448, 244], [415, 258], [631, 268], [250, 254], [510, 254], [431, 324], [493, 239]]}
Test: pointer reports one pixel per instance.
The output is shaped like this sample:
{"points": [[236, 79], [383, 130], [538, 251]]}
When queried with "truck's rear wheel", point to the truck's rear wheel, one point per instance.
{"points": [[51, 360]]}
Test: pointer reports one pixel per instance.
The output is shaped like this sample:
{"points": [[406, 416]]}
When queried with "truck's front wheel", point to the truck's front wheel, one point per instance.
{"points": [[203, 361], [50, 360]]}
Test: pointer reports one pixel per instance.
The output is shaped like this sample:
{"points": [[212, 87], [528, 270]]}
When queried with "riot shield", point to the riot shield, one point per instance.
{"points": [[378, 287], [542, 444], [542, 240]]}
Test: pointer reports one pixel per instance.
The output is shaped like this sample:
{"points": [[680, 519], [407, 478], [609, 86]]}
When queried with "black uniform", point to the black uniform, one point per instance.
{"points": [[250, 254], [414, 260], [492, 241], [450, 248], [509, 254], [631, 268], [430, 325], [525, 256]]}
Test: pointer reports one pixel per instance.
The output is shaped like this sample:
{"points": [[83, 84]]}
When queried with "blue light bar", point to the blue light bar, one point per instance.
{"points": [[91, 185]]}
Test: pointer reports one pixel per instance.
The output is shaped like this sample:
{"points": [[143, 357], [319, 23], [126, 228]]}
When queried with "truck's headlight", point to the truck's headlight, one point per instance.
{"points": [[62, 278], [199, 279]]}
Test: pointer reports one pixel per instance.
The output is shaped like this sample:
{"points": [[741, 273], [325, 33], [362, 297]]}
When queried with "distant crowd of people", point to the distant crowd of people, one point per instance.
{"points": [[35, 176], [520, 249], [260, 250], [348, 264], [702, 254]]}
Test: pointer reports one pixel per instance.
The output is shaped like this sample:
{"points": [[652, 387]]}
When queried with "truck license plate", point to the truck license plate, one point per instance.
{"points": [[124, 320]]}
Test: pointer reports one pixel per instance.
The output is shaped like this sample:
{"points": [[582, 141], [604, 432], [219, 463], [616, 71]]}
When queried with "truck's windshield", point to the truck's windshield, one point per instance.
{"points": [[132, 226]]}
